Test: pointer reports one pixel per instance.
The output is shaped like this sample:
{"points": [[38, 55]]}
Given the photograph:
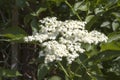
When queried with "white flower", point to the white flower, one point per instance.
{"points": [[64, 39], [56, 49], [49, 58], [40, 37], [29, 38], [36, 37], [71, 57]]}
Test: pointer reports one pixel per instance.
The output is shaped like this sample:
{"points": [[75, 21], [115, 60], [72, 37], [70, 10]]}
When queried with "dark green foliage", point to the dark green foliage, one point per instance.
{"points": [[42, 71], [100, 62], [8, 73]]}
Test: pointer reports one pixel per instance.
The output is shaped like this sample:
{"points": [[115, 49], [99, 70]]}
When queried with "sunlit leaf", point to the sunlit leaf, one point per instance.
{"points": [[113, 36], [116, 14], [55, 78], [98, 11], [115, 25], [106, 24], [81, 6], [110, 46], [89, 18], [40, 10], [8, 73], [14, 33]]}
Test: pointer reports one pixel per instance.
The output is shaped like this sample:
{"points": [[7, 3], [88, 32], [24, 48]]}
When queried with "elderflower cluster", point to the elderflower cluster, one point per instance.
{"points": [[64, 39]]}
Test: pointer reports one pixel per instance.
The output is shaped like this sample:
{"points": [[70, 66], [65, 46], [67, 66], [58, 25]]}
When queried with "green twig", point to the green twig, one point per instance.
{"points": [[73, 10], [63, 69], [84, 68]]}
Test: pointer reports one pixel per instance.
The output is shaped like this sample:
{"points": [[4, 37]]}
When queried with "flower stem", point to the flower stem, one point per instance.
{"points": [[87, 71], [63, 69], [73, 10]]}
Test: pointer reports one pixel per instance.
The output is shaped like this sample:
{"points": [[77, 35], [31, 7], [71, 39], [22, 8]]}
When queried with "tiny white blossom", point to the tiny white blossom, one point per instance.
{"points": [[49, 58], [71, 57], [56, 49], [64, 39], [29, 38]]}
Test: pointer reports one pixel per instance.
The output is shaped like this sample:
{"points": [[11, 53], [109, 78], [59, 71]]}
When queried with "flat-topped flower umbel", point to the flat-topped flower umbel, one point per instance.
{"points": [[64, 39]]}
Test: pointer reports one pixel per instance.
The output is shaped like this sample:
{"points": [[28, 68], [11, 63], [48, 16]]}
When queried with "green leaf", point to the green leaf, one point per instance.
{"points": [[34, 26], [27, 19], [118, 3], [83, 6], [66, 78], [114, 66], [91, 22], [8, 73], [42, 71], [41, 9], [115, 25], [55, 78], [104, 56], [110, 3], [89, 18], [95, 70], [110, 46], [98, 11], [106, 24], [21, 3], [14, 33], [58, 2], [113, 36], [116, 14]]}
